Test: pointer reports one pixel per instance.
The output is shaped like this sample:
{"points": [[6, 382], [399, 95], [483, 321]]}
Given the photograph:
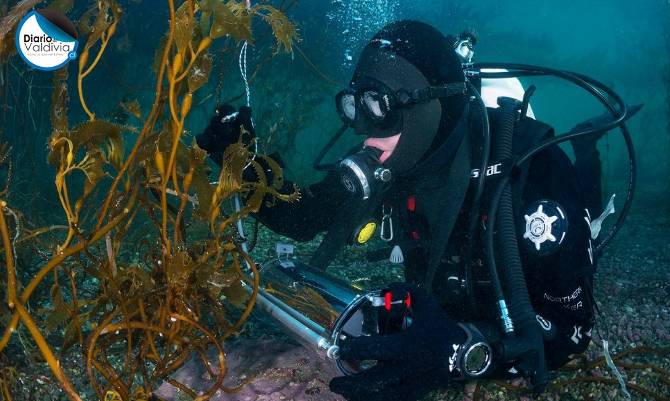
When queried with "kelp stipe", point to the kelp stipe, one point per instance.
{"points": [[145, 318]]}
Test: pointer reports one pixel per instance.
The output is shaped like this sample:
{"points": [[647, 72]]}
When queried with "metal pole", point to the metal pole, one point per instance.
{"points": [[309, 334]]}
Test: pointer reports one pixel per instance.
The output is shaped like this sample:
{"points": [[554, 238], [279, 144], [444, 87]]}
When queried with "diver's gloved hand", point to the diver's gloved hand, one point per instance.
{"points": [[224, 129], [411, 362]]}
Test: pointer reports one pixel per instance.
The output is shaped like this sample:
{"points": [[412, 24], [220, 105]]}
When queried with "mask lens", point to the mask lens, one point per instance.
{"points": [[348, 106], [375, 105]]}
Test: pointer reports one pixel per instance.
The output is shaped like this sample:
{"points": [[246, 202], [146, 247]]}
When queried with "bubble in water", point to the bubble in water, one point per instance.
{"points": [[358, 20]]}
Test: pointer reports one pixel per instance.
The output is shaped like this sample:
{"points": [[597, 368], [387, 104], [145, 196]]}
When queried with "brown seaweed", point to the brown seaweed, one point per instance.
{"points": [[150, 315]]}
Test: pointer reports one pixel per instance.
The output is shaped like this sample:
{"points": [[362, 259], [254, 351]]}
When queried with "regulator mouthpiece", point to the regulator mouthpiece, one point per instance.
{"points": [[362, 173]]}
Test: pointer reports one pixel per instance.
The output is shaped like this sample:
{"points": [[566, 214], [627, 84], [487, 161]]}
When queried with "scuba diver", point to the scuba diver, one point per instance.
{"points": [[499, 256]]}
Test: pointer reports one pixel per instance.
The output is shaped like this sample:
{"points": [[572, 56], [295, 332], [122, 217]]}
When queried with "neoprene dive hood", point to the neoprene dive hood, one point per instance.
{"points": [[408, 80]]}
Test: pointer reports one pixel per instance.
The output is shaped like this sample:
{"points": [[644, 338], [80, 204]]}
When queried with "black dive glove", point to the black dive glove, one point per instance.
{"points": [[225, 129], [411, 362]]}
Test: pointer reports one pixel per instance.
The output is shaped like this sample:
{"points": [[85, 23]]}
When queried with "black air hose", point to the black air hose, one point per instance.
{"points": [[512, 272], [616, 106], [528, 346], [476, 205]]}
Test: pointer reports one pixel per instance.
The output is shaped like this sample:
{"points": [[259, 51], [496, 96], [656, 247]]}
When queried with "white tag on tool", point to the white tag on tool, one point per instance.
{"points": [[284, 251]]}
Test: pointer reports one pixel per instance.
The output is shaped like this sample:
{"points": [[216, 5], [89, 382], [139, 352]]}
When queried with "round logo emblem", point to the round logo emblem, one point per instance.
{"points": [[537, 227], [545, 226], [346, 181], [46, 40]]}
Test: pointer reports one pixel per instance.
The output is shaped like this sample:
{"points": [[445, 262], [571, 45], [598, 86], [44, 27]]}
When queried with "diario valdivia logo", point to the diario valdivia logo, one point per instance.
{"points": [[46, 40]]}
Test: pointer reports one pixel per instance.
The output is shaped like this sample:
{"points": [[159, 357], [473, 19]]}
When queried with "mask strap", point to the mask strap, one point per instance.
{"points": [[431, 92]]}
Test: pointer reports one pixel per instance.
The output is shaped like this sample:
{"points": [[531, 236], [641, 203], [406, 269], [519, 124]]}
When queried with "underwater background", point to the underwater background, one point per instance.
{"points": [[624, 44]]}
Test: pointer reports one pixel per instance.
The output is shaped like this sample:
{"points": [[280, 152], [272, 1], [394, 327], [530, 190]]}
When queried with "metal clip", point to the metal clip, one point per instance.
{"points": [[472, 73], [386, 234]]}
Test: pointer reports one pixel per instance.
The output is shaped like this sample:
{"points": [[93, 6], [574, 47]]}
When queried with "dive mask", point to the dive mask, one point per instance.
{"points": [[374, 103]]}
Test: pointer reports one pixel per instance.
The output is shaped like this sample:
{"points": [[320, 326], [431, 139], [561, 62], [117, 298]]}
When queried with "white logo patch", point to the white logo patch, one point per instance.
{"points": [[42, 44], [453, 357], [596, 225], [490, 170], [577, 335], [538, 227], [544, 323]]}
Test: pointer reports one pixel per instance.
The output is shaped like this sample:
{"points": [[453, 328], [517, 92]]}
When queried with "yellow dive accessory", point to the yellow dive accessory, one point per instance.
{"points": [[364, 232]]}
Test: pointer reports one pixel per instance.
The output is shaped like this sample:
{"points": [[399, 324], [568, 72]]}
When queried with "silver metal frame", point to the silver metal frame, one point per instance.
{"points": [[323, 340], [467, 354], [365, 185]]}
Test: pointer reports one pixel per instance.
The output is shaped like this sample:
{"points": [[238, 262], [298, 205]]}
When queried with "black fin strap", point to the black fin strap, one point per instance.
{"points": [[526, 100]]}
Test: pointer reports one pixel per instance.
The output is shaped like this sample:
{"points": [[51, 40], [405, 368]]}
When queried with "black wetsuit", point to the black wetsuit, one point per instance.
{"points": [[559, 284]]}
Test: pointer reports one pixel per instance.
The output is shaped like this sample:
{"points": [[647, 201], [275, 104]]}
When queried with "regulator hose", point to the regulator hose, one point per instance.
{"points": [[598, 90], [528, 346], [476, 203], [317, 165]]}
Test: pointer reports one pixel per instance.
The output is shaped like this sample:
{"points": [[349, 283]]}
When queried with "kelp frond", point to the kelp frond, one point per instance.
{"points": [[151, 313]]}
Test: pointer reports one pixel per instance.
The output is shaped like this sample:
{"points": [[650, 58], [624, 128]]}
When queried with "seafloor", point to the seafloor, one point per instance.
{"points": [[632, 290]]}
